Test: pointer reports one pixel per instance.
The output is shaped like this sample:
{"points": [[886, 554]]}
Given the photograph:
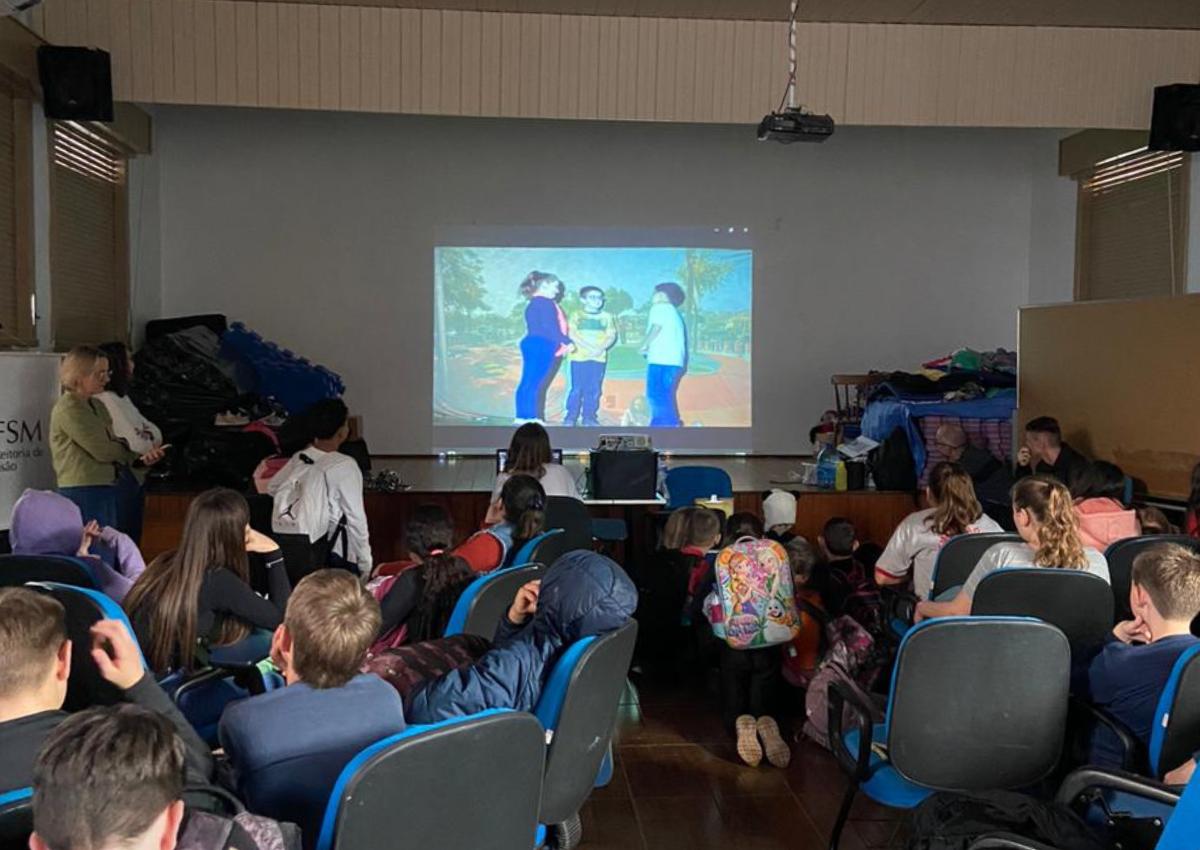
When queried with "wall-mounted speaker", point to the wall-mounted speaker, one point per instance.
{"points": [[1175, 125], [76, 83]]}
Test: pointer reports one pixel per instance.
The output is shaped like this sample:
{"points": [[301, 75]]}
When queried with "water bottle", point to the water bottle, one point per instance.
{"points": [[827, 462]]}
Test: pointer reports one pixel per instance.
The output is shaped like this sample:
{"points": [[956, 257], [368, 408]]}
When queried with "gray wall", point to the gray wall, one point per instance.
{"points": [[878, 249]]}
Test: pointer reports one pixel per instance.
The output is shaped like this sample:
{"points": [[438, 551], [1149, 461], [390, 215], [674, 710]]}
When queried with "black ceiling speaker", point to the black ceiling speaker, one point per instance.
{"points": [[76, 83], [1175, 125]]}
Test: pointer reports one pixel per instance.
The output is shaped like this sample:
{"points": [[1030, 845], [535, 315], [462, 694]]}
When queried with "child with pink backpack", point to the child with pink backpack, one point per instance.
{"points": [[752, 609]]}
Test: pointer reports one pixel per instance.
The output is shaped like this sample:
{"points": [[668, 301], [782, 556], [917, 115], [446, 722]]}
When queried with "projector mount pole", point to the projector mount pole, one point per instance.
{"points": [[791, 89]]}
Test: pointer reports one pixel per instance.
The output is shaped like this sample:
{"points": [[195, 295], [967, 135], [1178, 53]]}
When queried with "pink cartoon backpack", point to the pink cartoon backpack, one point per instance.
{"points": [[754, 590]]}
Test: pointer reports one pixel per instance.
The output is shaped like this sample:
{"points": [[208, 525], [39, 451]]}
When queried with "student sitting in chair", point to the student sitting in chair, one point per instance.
{"points": [[35, 663], [914, 546], [417, 603], [319, 494], [45, 523], [113, 779], [1127, 677], [1103, 518], [515, 517], [1045, 518], [583, 593], [327, 712]]}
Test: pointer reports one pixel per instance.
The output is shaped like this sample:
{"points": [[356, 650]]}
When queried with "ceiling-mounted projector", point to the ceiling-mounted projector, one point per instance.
{"points": [[795, 125]]}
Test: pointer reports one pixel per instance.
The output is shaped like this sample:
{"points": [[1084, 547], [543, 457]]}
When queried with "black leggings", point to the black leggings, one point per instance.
{"points": [[749, 682]]}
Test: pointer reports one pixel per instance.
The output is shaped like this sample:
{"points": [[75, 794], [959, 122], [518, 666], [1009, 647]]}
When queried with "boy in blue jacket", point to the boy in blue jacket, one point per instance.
{"points": [[1127, 677], [583, 593]]}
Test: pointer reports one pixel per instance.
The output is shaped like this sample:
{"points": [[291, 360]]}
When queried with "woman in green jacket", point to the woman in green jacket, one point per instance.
{"points": [[87, 457]]}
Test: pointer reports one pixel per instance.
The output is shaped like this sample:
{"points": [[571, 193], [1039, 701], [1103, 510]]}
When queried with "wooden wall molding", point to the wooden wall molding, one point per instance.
{"points": [[446, 62]]}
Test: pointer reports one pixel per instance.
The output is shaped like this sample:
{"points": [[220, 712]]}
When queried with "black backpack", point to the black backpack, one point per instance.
{"points": [[892, 463], [950, 821]]}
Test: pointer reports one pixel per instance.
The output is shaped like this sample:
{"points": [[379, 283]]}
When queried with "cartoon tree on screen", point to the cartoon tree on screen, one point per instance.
{"points": [[463, 292], [700, 273]]}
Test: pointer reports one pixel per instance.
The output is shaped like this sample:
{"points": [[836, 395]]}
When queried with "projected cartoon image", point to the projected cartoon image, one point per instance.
{"points": [[592, 337]]}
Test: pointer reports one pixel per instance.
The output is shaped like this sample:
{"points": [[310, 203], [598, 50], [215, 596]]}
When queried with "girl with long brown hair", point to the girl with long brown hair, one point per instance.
{"points": [[199, 596], [914, 546], [529, 454], [1044, 515]]}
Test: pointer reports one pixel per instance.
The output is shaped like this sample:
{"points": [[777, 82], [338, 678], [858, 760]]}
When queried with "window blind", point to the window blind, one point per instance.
{"points": [[1131, 235], [89, 263], [16, 285]]}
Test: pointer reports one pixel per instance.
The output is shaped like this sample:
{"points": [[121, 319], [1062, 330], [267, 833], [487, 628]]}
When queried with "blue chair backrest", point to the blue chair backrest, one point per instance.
{"points": [[685, 484], [470, 782], [16, 570], [1176, 733], [485, 599], [579, 705], [1184, 824], [83, 608], [978, 702], [16, 818], [1120, 557], [528, 553], [1078, 603], [959, 555]]}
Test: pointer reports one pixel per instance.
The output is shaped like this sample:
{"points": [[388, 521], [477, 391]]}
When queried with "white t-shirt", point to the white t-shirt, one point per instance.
{"points": [[555, 480], [669, 347], [1021, 555], [914, 546], [128, 424]]}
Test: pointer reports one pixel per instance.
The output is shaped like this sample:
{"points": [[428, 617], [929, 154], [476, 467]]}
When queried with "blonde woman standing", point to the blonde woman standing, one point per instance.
{"points": [[87, 457]]}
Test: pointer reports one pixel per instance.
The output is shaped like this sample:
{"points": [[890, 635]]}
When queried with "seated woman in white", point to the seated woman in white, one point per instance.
{"points": [[529, 454], [1045, 518], [913, 548]]}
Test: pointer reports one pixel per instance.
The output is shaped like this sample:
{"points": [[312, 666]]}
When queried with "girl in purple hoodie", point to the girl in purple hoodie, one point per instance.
{"points": [[45, 523]]}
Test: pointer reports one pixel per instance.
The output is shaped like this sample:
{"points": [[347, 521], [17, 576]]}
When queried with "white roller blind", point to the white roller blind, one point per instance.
{"points": [[1131, 236], [89, 265]]}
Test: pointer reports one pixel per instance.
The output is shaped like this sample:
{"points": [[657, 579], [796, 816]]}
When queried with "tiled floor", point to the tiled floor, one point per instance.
{"points": [[678, 783]]}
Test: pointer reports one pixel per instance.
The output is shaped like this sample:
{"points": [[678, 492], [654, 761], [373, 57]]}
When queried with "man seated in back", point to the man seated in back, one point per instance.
{"points": [[35, 663], [1045, 453], [1127, 677], [288, 746], [990, 476], [113, 779]]}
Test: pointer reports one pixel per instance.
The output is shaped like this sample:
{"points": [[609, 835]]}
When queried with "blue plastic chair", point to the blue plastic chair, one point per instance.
{"points": [[578, 709], [685, 484], [976, 703], [1120, 557], [16, 570], [484, 601], [471, 781], [959, 555], [16, 817], [528, 553]]}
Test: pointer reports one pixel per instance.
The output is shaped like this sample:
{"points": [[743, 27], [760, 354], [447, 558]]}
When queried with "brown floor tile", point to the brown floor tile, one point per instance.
{"points": [[689, 770], [681, 725], [745, 823], [610, 825]]}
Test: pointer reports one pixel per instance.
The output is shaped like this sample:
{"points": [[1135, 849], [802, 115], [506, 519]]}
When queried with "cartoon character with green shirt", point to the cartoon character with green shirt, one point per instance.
{"points": [[593, 332]]}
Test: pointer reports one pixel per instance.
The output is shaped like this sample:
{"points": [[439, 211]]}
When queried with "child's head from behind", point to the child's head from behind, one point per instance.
{"points": [[582, 593], [529, 450], [742, 524], [839, 538], [109, 778], [802, 557], [1044, 516], [692, 526], [429, 530], [329, 625], [1099, 480], [1154, 521], [329, 419], [45, 523], [524, 503], [1167, 578], [35, 655], [779, 511], [951, 494]]}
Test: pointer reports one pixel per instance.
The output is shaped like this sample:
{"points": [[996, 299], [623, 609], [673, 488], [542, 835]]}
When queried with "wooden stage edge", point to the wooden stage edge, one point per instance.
{"points": [[463, 484]]}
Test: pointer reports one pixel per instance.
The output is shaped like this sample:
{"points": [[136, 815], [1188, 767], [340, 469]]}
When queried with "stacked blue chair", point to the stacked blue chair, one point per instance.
{"points": [[1120, 557], [536, 549], [958, 557], [578, 709], [16, 570], [976, 703], [292, 380], [1180, 813], [471, 782], [484, 601], [685, 484]]}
